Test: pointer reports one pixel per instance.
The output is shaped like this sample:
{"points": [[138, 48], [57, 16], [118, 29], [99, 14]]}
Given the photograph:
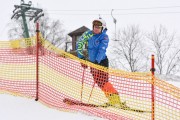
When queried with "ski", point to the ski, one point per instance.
{"points": [[124, 107], [75, 102]]}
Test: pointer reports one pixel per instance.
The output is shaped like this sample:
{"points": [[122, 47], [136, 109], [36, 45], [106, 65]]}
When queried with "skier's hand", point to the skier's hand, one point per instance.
{"points": [[84, 66]]}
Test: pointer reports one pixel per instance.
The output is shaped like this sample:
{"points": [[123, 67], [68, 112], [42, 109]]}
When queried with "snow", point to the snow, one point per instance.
{"points": [[172, 79], [19, 108], [177, 84]]}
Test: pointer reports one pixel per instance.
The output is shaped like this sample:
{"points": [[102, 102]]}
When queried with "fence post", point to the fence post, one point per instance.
{"points": [[37, 60], [152, 87]]}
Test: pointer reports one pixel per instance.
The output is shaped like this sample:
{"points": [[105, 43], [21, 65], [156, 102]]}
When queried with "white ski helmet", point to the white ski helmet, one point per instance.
{"points": [[100, 22]]}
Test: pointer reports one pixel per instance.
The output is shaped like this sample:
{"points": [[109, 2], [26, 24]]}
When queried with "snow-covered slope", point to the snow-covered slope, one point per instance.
{"points": [[172, 79], [18, 108]]}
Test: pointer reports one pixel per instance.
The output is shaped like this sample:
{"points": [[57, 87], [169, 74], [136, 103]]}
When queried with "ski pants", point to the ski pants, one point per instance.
{"points": [[101, 78]]}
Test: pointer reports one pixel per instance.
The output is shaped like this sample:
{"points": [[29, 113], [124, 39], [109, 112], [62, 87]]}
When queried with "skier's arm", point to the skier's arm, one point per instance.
{"points": [[102, 48], [81, 42]]}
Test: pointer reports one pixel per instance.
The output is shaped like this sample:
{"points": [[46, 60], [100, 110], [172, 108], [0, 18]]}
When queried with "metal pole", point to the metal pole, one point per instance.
{"points": [[26, 32], [37, 61], [114, 20], [152, 87]]}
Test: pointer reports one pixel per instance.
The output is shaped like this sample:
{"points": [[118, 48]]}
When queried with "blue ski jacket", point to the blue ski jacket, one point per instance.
{"points": [[97, 45]]}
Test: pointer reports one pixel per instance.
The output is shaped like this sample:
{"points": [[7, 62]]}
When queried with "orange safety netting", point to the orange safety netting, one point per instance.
{"points": [[62, 76]]}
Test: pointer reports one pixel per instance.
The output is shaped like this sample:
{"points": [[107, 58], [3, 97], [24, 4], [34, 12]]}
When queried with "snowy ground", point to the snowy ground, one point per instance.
{"points": [[18, 108], [172, 79]]}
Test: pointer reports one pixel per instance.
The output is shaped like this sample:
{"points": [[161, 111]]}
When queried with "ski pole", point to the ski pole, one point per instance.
{"points": [[91, 92], [82, 83]]}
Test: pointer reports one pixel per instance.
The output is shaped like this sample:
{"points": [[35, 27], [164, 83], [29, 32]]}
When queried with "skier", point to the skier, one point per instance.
{"points": [[97, 42]]}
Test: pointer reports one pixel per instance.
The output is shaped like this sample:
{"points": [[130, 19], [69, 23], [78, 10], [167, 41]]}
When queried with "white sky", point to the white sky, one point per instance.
{"points": [[72, 22]]}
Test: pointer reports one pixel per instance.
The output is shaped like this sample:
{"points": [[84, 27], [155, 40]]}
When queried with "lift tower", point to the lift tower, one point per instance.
{"points": [[25, 10]]}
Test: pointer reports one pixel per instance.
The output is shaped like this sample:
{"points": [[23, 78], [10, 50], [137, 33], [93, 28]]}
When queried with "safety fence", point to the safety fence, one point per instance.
{"points": [[54, 75]]}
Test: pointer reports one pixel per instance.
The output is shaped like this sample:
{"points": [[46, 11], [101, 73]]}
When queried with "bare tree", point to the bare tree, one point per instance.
{"points": [[52, 30], [166, 51], [129, 49], [16, 29]]}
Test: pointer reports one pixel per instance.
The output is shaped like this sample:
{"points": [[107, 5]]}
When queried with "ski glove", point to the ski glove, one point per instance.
{"points": [[84, 65]]}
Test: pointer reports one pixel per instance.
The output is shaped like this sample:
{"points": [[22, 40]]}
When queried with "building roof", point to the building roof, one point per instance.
{"points": [[78, 31]]}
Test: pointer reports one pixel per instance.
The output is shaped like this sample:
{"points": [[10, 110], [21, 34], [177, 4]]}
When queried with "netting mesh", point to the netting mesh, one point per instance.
{"points": [[61, 76]]}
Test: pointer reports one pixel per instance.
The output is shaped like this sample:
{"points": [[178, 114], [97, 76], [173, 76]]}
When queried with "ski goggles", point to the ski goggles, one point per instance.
{"points": [[97, 27], [97, 23]]}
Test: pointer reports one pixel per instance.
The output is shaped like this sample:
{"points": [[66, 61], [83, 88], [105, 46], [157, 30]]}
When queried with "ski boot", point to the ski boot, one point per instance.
{"points": [[114, 101]]}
